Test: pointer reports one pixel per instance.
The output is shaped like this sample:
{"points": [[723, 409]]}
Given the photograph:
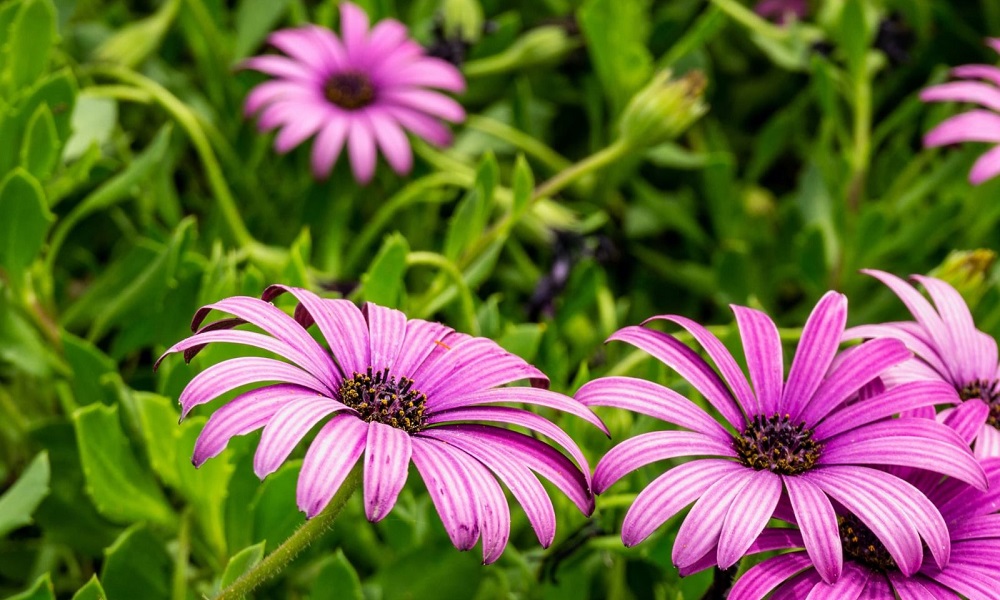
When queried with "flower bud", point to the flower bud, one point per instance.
{"points": [[463, 19], [968, 271], [663, 109]]}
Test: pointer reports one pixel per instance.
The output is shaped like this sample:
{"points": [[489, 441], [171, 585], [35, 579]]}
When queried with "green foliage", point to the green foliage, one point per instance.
{"points": [[19, 502], [24, 220]]}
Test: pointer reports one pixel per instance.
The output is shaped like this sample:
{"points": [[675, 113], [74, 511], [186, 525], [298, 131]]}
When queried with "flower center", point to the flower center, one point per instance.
{"points": [[861, 545], [380, 397], [349, 90], [987, 392], [778, 445]]}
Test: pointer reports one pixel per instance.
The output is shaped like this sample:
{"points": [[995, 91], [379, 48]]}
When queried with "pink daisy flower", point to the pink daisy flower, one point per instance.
{"points": [[361, 89], [782, 11], [980, 84], [948, 348], [395, 390], [798, 439]]}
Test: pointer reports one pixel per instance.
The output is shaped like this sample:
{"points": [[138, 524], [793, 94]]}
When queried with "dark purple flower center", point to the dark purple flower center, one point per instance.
{"points": [[381, 397], [861, 545], [349, 90], [987, 392], [777, 445]]}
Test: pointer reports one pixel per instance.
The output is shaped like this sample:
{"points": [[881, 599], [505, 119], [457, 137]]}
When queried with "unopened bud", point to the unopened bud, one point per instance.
{"points": [[664, 109], [968, 271], [463, 19]]}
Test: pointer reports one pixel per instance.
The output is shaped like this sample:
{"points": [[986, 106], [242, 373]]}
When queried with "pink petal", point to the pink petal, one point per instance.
{"points": [[354, 30], [987, 72], [473, 365], [231, 374], [279, 66], [273, 91], [652, 399], [421, 338], [986, 167], [971, 126], [302, 45], [762, 579], [387, 458], [988, 442], [911, 334], [296, 131], [669, 493], [902, 398], [762, 347], [361, 148], [392, 141], [647, 448], [287, 428], [386, 36], [963, 91], [425, 101], [747, 516], [423, 126], [700, 531], [329, 461], [521, 395], [818, 524], [817, 347], [386, 327], [333, 52], [429, 72], [965, 337], [452, 489], [241, 415], [494, 512], [326, 149]]}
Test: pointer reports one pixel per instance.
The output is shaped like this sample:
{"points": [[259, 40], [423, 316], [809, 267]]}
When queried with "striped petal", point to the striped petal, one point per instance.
{"points": [[762, 347], [287, 428], [647, 448], [329, 460], [971, 126], [494, 512], [387, 328], [817, 347], [817, 521], [762, 579], [701, 529], [520, 395], [231, 374], [472, 365], [387, 458], [451, 488], [902, 398], [747, 516], [420, 339]]}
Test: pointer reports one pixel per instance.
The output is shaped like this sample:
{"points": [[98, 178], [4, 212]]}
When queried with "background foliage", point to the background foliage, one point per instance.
{"points": [[132, 190]]}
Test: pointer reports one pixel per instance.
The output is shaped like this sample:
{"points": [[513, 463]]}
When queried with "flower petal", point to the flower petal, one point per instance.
{"points": [[386, 330], [669, 493], [818, 523], [902, 398], [451, 488], [700, 531], [848, 587], [987, 72], [279, 66], [688, 364], [387, 458], [983, 94], [472, 365], [761, 579], [361, 148], [422, 125], [494, 512], [328, 145], [986, 167], [863, 364], [987, 443], [427, 102], [762, 347], [241, 415], [279, 89], [652, 399], [300, 43], [421, 338], [747, 516], [817, 347], [287, 428], [911, 334], [521, 395], [354, 30], [231, 374], [329, 460], [971, 126], [430, 72], [392, 141], [964, 335], [647, 448]]}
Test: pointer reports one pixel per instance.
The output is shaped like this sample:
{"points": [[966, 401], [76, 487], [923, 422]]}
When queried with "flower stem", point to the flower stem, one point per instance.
{"points": [[722, 581], [271, 566], [595, 161], [447, 266]]}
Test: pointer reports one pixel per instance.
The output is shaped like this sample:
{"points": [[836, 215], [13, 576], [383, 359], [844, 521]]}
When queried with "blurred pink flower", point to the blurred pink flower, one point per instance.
{"points": [[980, 84], [362, 88], [782, 11]]}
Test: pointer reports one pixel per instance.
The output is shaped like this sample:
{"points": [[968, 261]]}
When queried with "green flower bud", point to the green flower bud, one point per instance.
{"points": [[664, 109], [968, 271], [536, 47], [463, 19]]}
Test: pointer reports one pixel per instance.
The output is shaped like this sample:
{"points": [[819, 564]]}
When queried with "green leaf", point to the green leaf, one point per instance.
{"points": [[523, 340], [616, 33], [170, 449], [30, 41], [93, 371], [137, 566], [241, 562], [383, 283], [19, 502], [469, 219], [24, 220], [122, 489], [40, 150], [41, 590], [336, 580], [296, 271], [853, 34], [91, 591], [254, 20], [524, 186], [131, 44], [276, 516], [93, 121], [21, 344]]}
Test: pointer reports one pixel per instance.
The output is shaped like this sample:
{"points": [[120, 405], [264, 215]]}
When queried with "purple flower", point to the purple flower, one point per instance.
{"points": [[871, 572], [980, 84], [395, 390], [782, 11], [363, 89], [948, 348], [798, 438]]}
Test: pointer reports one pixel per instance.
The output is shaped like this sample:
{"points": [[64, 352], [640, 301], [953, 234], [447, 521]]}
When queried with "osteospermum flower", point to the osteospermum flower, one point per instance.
{"points": [[363, 88], [394, 390], [948, 348], [782, 11], [871, 572], [979, 84], [798, 438]]}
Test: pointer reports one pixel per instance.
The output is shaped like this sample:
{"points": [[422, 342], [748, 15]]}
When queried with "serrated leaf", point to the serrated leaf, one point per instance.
{"points": [[137, 566], [91, 591], [29, 43], [24, 220], [122, 490], [616, 33], [241, 562], [383, 283], [40, 590], [336, 580], [19, 502], [40, 149]]}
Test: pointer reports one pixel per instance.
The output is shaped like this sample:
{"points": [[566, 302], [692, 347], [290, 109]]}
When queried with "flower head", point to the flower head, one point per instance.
{"points": [[979, 84], [782, 11], [948, 348], [797, 437], [363, 89], [394, 390]]}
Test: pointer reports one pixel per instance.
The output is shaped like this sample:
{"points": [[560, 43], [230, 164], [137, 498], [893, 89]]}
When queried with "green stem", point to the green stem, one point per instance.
{"points": [[465, 294], [751, 20], [862, 141], [183, 555], [594, 162], [187, 120], [271, 566], [531, 146]]}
